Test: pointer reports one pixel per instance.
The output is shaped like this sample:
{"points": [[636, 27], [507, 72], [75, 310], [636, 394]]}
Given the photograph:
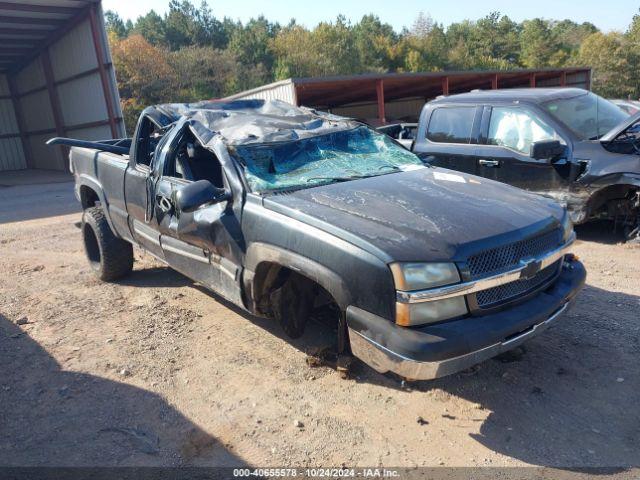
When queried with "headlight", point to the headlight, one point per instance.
{"points": [[567, 227], [418, 276], [412, 314]]}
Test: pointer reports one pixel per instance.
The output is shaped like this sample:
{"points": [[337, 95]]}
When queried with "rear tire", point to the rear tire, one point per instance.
{"points": [[109, 256]]}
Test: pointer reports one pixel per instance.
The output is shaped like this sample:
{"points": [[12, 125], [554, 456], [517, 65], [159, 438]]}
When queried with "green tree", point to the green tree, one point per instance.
{"points": [[537, 43], [423, 47], [144, 75], [115, 24], [201, 73], [152, 27], [493, 42], [374, 41], [252, 45], [607, 54], [187, 25], [327, 50]]}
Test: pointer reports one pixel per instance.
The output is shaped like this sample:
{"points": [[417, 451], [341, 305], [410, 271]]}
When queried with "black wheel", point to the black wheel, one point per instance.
{"points": [[292, 304], [110, 257]]}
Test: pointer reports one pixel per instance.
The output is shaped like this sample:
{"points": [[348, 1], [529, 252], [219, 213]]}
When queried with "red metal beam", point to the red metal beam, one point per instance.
{"points": [[563, 79], [25, 7], [445, 85], [62, 81], [532, 80], [17, 108], [380, 98], [100, 57], [80, 75], [494, 82]]}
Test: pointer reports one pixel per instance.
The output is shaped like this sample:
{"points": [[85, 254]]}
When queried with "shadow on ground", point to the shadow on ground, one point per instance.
{"points": [[29, 202], [52, 417], [568, 398], [601, 231]]}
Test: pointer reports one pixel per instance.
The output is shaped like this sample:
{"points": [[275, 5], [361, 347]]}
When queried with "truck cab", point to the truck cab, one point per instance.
{"points": [[564, 143]]}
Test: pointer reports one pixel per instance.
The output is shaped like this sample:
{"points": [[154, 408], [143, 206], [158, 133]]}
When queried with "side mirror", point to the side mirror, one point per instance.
{"points": [[546, 149], [191, 197]]}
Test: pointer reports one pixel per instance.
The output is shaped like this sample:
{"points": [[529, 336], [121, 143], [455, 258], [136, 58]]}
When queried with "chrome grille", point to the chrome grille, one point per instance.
{"points": [[509, 291], [506, 257]]}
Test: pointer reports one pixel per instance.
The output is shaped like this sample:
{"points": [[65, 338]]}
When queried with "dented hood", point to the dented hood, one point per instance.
{"points": [[430, 214]]}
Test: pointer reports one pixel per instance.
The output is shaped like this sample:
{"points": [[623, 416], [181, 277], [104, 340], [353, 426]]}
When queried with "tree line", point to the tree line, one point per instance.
{"points": [[189, 54]]}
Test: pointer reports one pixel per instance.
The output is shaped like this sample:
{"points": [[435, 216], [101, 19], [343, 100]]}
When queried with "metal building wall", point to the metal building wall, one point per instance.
{"points": [[395, 110], [37, 114], [576, 80], [61, 92], [284, 90], [11, 154]]}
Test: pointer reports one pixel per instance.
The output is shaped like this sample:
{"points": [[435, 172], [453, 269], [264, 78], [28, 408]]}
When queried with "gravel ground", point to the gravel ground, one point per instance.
{"points": [[154, 370]]}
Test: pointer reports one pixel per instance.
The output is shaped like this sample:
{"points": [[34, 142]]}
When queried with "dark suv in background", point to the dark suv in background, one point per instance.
{"points": [[565, 143]]}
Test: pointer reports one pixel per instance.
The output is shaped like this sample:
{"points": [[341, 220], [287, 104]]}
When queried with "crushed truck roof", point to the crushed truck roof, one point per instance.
{"points": [[242, 122]]}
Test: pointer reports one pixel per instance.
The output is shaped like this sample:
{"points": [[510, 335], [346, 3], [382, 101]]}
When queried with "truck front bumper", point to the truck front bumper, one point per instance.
{"points": [[433, 351]]}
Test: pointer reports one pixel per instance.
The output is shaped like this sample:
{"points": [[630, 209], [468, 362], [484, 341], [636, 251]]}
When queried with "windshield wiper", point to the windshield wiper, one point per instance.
{"points": [[391, 169], [341, 179]]}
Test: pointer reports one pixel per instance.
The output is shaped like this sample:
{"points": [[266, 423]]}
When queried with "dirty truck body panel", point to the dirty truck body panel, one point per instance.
{"points": [[431, 270], [590, 175]]}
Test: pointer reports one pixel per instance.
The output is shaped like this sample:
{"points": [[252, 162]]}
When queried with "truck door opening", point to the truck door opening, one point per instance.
{"points": [[193, 162]]}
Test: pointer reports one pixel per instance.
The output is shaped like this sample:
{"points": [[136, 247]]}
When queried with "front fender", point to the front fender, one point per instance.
{"points": [[260, 253], [616, 179]]}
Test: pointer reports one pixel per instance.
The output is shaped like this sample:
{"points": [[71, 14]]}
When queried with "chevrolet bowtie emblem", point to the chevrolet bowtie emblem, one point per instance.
{"points": [[531, 269]]}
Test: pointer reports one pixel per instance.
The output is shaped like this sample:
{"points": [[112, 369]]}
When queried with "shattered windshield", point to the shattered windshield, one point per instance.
{"points": [[588, 116], [335, 157]]}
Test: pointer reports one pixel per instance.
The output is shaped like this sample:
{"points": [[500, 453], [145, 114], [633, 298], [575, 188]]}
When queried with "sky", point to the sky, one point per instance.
{"points": [[616, 16]]}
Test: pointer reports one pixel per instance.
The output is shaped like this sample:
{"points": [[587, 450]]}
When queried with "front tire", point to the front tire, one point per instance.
{"points": [[292, 304], [109, 256]]}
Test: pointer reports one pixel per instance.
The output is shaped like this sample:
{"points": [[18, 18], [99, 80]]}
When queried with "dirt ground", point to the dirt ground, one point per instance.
{"points": [[154, 370]]}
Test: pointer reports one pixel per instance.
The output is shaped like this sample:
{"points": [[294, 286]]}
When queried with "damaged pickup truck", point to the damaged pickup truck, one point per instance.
{"points": [[285, 210], [565, 143]]}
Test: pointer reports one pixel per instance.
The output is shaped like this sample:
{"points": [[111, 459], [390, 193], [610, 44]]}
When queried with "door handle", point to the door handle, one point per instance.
{"points": [[489, 163], [164, 204]]}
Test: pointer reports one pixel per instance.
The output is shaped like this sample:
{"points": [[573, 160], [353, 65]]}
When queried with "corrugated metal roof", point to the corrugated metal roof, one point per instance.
{"points": [[333, 91], [27, 26]]}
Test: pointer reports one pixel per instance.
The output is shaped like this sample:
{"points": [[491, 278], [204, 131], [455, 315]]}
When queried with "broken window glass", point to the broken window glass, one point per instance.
{"points": [[329, 158], [517, 129]]}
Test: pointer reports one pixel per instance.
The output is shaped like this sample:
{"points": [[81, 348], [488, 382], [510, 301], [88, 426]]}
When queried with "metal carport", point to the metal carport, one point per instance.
{"points": [[379, 98], [56, 79]]}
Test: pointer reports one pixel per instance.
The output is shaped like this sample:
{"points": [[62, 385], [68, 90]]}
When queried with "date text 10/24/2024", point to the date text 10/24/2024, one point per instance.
{"points": [[316, 472]]}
